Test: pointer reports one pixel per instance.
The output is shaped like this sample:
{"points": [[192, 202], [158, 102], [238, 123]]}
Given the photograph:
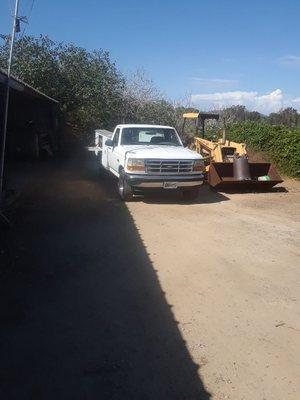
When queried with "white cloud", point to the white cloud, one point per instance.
{"points": [[214, 82], [296, 101], [290, 61], [267, 103]]}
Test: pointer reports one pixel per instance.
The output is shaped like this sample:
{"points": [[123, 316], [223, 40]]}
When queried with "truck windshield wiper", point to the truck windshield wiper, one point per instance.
{"points": [[168, 144]]}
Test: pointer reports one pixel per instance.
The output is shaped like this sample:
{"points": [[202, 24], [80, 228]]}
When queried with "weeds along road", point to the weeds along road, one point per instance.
{"points": [[151, 300]]}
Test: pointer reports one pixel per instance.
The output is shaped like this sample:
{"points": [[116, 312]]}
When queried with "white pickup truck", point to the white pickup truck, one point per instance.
{"points": [[147, 157]]}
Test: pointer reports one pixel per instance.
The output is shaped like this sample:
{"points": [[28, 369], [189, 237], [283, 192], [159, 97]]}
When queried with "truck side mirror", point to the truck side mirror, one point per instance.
{"points": [[109, 143]]}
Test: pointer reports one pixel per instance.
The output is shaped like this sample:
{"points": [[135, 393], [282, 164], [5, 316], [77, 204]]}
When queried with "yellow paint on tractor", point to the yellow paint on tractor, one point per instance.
{"points": [[191, 115], [218, 151]]}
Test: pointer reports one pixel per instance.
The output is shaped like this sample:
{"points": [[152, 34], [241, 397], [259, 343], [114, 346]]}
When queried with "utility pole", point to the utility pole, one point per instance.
{"points": [[16, 25]]}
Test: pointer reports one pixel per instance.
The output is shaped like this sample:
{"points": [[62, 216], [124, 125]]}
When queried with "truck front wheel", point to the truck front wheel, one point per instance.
{"points": [[125, 190]]}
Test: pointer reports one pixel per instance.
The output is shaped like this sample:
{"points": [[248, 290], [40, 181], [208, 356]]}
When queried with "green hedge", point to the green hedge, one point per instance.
{"points": [[282, 144]]}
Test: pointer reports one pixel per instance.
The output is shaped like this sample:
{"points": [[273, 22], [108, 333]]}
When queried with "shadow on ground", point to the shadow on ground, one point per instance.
{"points": [[276, 189], [206, 196], [83, 315]]}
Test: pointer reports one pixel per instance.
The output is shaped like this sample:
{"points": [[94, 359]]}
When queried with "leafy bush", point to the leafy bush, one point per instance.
{"points": [[282, 144]]}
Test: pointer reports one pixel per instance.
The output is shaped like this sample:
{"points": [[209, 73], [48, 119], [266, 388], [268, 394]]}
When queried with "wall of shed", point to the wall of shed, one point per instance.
{"points": [[29, 116]]}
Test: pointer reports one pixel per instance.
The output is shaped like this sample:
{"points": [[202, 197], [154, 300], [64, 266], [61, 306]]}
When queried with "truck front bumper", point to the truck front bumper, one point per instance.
{"points": [[158, 181]]}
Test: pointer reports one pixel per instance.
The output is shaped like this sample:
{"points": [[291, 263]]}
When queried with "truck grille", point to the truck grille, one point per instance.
{"points": [[169, 166]]}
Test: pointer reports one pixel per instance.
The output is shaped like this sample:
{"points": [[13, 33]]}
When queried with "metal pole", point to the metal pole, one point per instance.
{"points": [[6, 101], [202, 127]]}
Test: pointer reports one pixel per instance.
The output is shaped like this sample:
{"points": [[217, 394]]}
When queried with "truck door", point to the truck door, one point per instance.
{"points": [[113, 156]]}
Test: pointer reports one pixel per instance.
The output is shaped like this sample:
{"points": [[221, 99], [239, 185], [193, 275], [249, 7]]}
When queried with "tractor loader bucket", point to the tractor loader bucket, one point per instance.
{"points": [[221, 177]]}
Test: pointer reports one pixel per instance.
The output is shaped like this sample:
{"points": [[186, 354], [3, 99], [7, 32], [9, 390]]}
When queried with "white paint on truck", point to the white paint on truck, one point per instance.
{"points": [[149, 156]]}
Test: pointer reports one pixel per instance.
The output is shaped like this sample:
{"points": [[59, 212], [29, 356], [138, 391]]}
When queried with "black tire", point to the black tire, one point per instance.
{"points": [[190, 194], [125, 190]]}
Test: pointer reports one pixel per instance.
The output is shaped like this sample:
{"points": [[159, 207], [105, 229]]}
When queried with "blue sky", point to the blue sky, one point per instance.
{"points": [[216, 52]]}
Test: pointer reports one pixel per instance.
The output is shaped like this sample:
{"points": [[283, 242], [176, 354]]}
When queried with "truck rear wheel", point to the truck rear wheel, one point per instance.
{"points": [[125, 190]]}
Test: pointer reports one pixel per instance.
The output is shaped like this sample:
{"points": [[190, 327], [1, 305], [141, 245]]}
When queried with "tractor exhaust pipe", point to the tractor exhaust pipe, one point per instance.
{"points": [[224, 132], [241, 169]]}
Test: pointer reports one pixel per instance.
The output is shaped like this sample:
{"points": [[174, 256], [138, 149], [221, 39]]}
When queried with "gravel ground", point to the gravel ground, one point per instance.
{"points": [[229, 265]]}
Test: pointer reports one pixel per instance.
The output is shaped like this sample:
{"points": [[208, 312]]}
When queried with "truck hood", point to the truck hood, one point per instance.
{"points": [[161, 152]]}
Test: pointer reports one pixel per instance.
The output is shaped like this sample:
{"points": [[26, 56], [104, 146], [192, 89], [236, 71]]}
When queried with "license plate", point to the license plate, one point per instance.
{"points": [[170, 185]]}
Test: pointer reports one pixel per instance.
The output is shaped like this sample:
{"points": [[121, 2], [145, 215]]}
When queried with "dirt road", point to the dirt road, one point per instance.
{"points": [[229, 265], [154, 300]]}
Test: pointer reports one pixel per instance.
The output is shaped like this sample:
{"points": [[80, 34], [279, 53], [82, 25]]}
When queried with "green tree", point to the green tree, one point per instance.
{"points": [[87, 84], [288, 117]]}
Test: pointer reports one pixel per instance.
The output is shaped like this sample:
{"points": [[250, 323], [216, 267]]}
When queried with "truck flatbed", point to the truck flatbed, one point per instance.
{"points": [[100, 134], [104, 133]]}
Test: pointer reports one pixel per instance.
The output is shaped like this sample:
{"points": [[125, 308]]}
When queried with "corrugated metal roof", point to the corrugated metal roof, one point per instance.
{"points": [[18, 84]]}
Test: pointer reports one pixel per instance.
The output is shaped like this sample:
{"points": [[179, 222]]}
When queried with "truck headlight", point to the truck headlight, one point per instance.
{"points": [[136, 165], [198, 166]]}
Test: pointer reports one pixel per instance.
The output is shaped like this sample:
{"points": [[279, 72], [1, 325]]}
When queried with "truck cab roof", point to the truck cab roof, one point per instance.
{"points": [[143, 126]]}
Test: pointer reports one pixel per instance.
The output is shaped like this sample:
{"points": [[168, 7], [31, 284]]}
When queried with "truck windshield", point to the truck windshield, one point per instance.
{"points": [[149, 136]]}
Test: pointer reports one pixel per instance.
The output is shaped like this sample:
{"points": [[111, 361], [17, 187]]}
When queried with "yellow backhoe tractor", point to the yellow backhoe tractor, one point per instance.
{"points": [[227, 164]]}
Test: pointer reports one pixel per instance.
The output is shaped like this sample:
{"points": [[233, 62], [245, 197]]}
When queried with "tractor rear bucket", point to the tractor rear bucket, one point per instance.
{"points": [[263, 177]]}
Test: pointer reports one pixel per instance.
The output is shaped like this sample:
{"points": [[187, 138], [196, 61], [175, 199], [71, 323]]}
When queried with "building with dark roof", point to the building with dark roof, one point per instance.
{"points": [[33, 126]]}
